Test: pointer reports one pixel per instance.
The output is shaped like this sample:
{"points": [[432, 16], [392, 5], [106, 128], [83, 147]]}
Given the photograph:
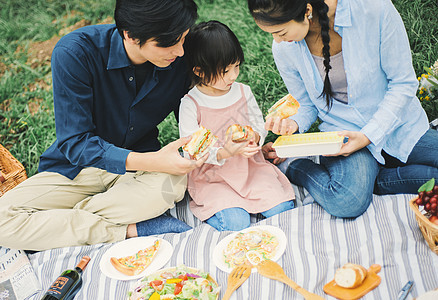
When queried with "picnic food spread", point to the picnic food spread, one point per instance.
{"points": [[201, 140], [284, 108], [350, 275], [176, 283], [135, 264], [250, 247], [240, 133]]}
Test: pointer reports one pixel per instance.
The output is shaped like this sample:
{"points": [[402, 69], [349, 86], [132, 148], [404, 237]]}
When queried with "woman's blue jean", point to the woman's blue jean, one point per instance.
{"points": [[344, 186], [236, 218]]}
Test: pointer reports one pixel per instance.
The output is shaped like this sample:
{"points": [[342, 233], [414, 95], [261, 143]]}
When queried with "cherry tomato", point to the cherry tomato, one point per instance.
{"points": [[178, 288], [183, 277], [157, 285]]}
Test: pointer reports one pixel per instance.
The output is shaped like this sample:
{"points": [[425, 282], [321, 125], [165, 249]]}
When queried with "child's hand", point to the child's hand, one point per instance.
{"points": [[246, 148], [251, 149]]}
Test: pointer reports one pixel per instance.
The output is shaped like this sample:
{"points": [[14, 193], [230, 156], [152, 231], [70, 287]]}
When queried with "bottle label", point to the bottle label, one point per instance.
{"points": [[61, 285]]}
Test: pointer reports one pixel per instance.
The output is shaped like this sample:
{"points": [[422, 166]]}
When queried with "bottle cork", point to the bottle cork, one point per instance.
{"points": [[83, 263]]}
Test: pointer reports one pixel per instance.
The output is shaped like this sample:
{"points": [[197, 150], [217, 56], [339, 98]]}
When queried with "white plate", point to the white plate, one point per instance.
{"points": [[130, 247], [218, 250]]}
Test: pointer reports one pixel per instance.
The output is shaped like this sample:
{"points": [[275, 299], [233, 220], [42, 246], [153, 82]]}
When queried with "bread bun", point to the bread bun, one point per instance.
{"points": [[284, 108], [240, 133], [201, 140], [350, 275]]}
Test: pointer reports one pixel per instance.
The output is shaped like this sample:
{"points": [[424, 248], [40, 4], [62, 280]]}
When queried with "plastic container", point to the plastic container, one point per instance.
{"points": [[307, 144]]}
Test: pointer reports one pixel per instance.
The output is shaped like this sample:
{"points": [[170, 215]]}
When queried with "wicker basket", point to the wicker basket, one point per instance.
{"points": [[429, 230], [12, 171]]}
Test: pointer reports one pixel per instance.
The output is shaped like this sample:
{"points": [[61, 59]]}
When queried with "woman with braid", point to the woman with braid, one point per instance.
{"points": [[348, 63]]}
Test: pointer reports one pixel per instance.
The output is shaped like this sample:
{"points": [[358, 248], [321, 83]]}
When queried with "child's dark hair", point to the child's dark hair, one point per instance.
{"points": [[276, 12], [165, 21], [211, 47]]}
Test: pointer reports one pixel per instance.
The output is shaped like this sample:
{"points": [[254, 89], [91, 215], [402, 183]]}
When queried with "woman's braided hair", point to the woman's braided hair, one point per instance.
{"points": [[275, 12]]}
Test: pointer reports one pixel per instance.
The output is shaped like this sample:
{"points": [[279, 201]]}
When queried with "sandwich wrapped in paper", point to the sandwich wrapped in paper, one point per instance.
{"points": [[284, 108], [201, 140]]}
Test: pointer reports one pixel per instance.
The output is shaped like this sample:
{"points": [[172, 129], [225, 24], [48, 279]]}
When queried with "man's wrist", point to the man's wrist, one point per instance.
{"points": [[142, 161]]}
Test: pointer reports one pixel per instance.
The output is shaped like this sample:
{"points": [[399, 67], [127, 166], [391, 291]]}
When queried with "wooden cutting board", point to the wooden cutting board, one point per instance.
{"points": [[371, 282]]}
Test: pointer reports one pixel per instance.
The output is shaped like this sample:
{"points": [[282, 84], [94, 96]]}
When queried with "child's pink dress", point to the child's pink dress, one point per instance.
{"points": [[253, 184]]}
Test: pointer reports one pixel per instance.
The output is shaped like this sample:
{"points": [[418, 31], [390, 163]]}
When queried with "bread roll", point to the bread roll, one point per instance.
{"points": [[240, 133], [350, 275]]}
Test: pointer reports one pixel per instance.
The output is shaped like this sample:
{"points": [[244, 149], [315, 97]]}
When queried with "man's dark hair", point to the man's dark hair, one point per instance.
{"points": [[211, 47], [161, 20]]}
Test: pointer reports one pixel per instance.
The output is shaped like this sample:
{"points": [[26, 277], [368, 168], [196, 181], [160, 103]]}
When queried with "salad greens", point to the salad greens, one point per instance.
{"points": [[178, 283]]}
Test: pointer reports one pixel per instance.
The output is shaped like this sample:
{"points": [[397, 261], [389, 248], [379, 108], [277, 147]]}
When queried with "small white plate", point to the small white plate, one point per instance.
{"points": [[130, 247], [219, 249]]}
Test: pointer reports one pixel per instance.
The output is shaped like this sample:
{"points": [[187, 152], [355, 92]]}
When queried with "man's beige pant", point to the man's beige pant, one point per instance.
{"points": [[49, 210]]}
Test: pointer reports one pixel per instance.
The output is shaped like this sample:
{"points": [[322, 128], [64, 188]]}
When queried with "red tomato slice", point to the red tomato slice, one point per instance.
{"points": [[157, 285], [178, 288], [183, 277]]}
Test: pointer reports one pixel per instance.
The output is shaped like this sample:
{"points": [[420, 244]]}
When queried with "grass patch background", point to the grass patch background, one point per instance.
{"points": [[31, 28]]}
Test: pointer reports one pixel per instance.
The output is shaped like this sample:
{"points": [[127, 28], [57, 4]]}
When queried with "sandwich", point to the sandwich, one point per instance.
{"points": [[284, 108], [240, 133], [201, 140]]}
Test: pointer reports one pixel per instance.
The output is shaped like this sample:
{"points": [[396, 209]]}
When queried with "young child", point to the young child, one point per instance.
{"points": [[236, 180]]}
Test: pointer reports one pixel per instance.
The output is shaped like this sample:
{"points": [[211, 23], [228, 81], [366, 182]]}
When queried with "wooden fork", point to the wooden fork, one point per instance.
{"points": [[271, 269], [236, 278]]}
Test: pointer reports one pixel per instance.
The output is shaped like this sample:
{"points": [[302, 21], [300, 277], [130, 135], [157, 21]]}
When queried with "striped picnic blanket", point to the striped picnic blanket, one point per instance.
{"points": [[318, 244]]}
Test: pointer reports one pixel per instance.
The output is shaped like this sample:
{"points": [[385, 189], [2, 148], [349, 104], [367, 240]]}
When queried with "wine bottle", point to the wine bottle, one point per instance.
{"points": [[68, 283]]}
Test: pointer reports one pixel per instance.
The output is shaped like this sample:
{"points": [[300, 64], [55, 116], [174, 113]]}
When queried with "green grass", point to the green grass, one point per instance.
{"points": [[26, 103]]}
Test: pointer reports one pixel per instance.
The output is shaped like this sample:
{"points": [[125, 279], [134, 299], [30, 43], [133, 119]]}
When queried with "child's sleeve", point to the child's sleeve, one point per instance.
{"points": [[257, 122], [188, 124]]}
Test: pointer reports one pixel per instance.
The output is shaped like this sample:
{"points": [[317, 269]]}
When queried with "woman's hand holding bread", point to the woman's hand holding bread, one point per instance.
{"points": [[277, 119], [281, 126]]}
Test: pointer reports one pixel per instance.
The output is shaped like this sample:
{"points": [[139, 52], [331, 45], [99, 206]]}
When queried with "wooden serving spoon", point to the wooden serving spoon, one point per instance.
{"points": [[271, 269], [236, 278]]}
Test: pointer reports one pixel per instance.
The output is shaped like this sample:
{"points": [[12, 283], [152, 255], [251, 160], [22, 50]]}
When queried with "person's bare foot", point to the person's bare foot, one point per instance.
{"points": [[131, 231]]}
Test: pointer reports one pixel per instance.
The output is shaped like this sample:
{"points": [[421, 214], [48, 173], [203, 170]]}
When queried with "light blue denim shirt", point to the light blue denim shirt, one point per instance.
{"points": [[382, 84]]}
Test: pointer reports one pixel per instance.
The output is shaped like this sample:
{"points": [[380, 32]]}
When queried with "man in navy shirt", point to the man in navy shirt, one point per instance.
{"points": [[105, 177]]}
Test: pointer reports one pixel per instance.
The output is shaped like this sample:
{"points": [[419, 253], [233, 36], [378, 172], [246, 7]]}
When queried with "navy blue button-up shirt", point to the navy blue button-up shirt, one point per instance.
{"points": [[99, 116]]}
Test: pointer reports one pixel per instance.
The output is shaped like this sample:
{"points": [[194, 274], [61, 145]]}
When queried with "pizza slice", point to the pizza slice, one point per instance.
{"points": [[135, 264]]}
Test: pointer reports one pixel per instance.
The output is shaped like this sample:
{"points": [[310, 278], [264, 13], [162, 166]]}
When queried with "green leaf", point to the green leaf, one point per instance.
{"points": [[428, 186], [432, 82], [428, 70]]}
